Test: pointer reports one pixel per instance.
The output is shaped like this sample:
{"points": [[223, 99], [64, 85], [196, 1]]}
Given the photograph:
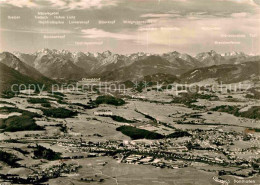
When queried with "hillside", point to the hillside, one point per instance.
{"points": [[226, 73], [12, 61], [137, 70], [161, 78], [9, 76]]}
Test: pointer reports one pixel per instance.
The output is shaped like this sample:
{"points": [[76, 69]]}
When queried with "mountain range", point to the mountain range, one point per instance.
{"points": [[47, 65]]}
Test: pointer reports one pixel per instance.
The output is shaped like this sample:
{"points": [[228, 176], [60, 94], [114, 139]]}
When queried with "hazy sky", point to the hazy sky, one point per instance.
{"points": [[156, 26]]}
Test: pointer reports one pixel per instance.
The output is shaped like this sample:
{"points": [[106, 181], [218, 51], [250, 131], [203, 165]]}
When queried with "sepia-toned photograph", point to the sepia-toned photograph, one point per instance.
{"points": [[130, 92]]}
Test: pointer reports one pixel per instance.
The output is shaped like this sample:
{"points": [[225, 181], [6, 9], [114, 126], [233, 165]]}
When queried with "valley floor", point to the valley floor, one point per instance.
{"points": [[171, 142]]}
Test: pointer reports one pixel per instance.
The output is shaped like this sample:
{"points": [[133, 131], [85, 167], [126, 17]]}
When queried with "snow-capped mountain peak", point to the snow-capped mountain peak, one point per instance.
{"points": [[234, 53]]}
